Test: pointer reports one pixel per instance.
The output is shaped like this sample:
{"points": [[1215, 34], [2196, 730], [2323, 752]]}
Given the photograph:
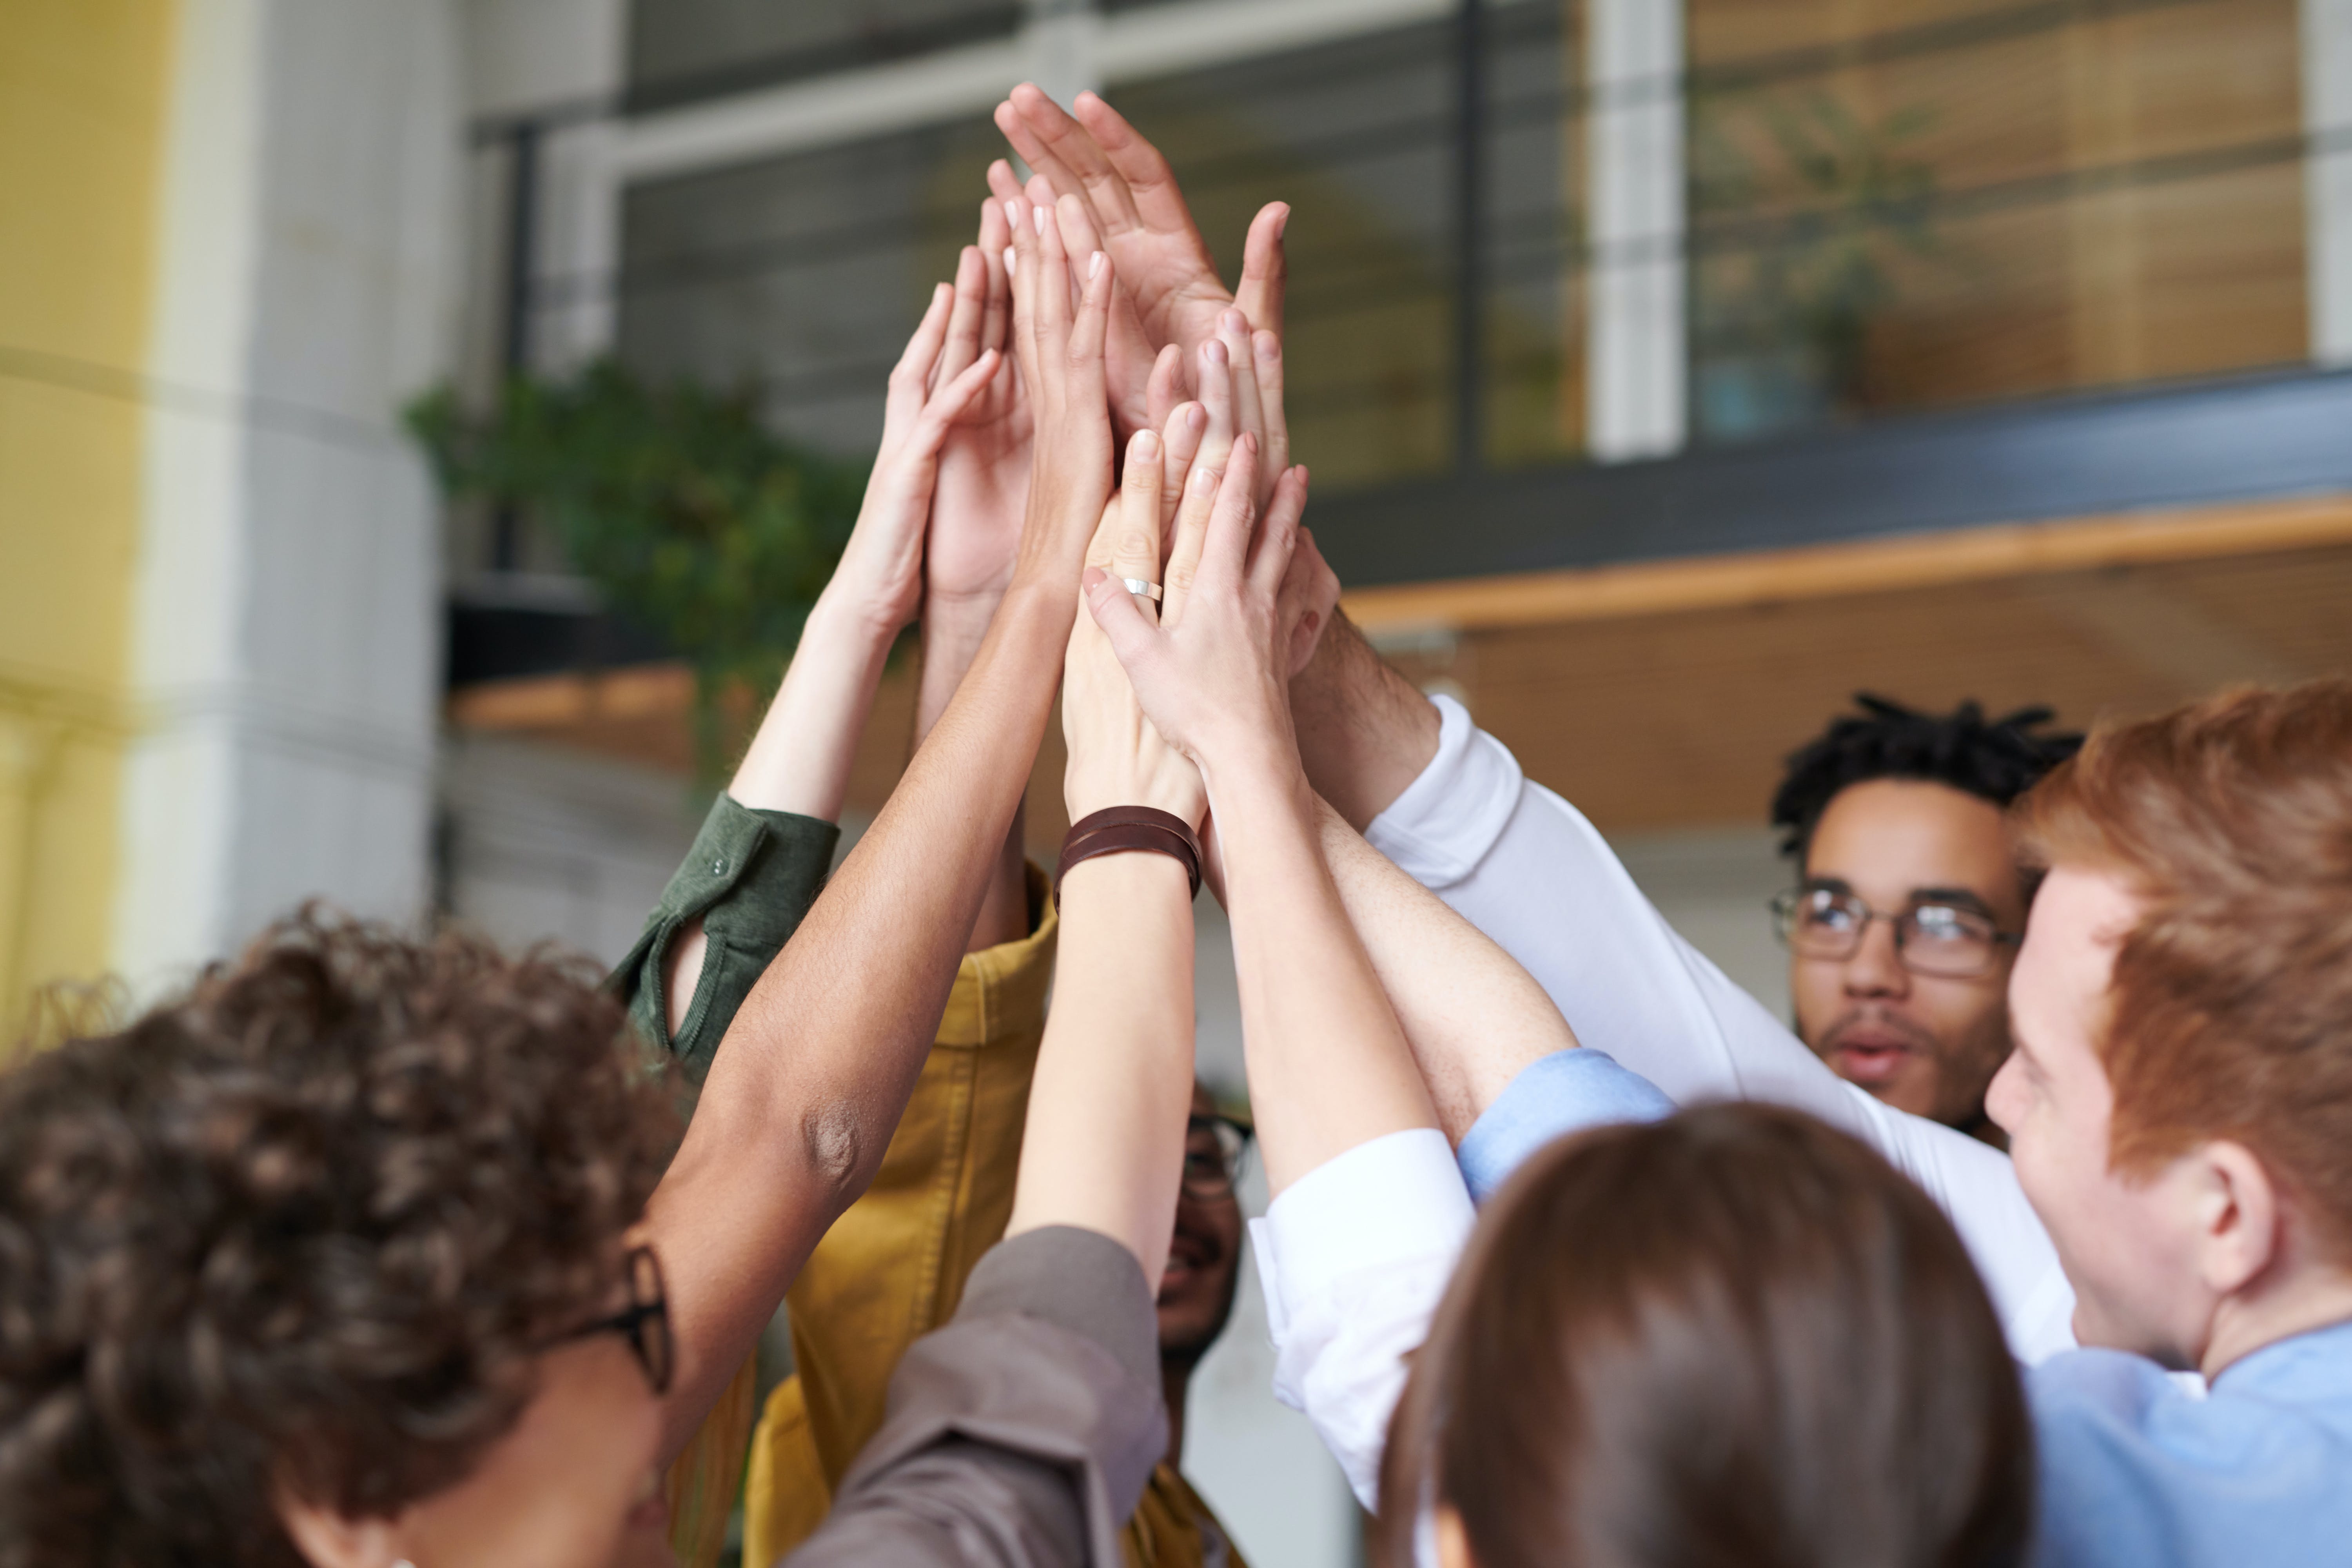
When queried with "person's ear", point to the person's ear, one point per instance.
{"points": [[2237, 1216], [1452, 1540], [328, 1538]]}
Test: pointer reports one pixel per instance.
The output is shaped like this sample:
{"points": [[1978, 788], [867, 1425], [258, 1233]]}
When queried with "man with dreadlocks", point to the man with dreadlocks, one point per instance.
{"points": [[1909, 901]]}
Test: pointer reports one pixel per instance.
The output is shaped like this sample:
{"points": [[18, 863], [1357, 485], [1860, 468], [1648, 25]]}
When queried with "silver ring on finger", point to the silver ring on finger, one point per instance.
{"points": [[1141, 589]]}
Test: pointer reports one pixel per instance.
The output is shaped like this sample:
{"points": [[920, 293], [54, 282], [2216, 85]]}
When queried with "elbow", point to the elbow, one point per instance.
{"points": [[832, 1148]]}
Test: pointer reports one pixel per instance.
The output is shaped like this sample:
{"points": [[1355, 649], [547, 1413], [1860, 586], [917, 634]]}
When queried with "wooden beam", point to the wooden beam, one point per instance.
{"points": [[1960, 555]]}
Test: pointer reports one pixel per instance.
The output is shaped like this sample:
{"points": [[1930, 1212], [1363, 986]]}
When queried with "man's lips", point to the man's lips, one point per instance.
{"points": [[1872, 1052]]}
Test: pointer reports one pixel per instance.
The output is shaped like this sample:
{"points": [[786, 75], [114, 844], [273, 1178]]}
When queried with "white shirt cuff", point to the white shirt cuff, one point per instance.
{"points": [[1443, 824], [1398, 1199]]}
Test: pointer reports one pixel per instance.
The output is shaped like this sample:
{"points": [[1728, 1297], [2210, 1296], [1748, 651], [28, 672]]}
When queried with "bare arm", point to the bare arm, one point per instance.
{"points": [[799, 759], [801, 1101], [1105, 1144], [1364, 732], [1473, 1018], [1329, 1065]]}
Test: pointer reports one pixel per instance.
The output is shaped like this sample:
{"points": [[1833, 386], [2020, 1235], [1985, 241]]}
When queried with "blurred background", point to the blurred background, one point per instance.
{"points": [[1670, 371]]}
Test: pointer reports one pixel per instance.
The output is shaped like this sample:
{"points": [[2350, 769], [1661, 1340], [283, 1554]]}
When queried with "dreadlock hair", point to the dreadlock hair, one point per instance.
{"points": [[1996, 760]]}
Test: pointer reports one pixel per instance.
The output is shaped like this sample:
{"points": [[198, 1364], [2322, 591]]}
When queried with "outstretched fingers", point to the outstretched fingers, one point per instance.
{"points": [[1277, 535], [966, 319], [1224, 554], [1180, 431], [1144, 180], [1135, 542], [910, 378], [1265, 269], [1191, 533]]}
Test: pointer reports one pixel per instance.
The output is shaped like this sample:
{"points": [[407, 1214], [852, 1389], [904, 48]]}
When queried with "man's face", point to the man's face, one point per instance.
{"points": [[2128, 1246], [1922, 1043], [1196, 1293]]}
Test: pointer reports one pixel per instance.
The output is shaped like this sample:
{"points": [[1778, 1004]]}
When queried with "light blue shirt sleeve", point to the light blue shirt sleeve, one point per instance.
{"points": [[1564, 1092], [2136, 1471]]}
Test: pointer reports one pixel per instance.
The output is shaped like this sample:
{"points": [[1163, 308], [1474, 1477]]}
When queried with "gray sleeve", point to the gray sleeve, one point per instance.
{"points": [[1021, 1434]]}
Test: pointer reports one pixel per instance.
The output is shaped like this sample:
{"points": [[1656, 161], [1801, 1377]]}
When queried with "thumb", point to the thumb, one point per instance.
{"points": [[1132, 637]]}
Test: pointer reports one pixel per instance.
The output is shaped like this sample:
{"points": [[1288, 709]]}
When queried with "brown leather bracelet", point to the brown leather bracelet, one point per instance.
{"points": [[1120, 829]]}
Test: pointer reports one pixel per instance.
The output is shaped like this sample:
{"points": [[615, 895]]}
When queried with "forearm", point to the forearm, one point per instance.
{"points": [[802, 1101], [952, 633], [799, 758], [1364, 734], [1329, 1066], [1103, 1149], [1473, 1018]]}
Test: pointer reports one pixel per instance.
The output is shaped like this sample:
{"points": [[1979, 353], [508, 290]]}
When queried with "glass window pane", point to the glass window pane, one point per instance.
{"points": [[1358, 137], [1534, 278], [1912, 203], [801, 275]]}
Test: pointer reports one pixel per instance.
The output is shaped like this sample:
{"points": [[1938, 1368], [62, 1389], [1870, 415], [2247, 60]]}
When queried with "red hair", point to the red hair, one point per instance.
{"points": [[2232, 1000]]}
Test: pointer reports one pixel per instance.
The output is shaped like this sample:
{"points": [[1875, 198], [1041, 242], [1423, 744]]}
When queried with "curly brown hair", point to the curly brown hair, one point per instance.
{"points": [[303, 1229]]}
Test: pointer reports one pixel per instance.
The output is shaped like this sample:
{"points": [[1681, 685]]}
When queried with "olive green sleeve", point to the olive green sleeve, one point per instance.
{"points": [[751, 876]]}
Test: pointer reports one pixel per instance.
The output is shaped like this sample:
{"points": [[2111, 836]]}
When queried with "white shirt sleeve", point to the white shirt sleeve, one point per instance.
{"points": [[1355, 1255], [1526, 867]]}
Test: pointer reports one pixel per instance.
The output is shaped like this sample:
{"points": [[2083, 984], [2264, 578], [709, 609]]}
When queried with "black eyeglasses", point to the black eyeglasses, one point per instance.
{"points": [[1949, 940], [645, 1323], [1214, 1147]]}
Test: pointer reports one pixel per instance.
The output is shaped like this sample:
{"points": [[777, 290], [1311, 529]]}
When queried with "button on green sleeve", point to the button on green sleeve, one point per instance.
{"points": [[751, 876]]}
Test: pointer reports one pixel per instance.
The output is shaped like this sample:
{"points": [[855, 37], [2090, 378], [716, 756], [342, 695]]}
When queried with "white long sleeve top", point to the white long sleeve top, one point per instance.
{"points": [[1356, 1254]]}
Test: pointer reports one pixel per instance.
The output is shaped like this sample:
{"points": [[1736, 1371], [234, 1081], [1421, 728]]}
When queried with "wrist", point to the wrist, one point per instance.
{"points": [[852, 615]]}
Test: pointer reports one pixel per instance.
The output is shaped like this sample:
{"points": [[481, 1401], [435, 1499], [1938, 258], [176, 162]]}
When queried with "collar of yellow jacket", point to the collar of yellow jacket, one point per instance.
{"points": [[1000, 991]]}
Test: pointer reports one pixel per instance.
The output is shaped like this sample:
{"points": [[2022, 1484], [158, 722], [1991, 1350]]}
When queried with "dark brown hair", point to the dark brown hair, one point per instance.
{"points": [[1734, 1336], [2232, 997], [304, 1228]]}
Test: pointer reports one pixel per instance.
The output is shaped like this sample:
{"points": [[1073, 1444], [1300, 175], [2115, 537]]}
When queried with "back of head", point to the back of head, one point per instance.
{"points": [[2231, 996], [1735, 1336], [1996, 760], [303, 1229]]}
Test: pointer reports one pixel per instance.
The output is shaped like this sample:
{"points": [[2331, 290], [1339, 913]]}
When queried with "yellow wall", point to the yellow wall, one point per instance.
{"points": [[83, 88]]}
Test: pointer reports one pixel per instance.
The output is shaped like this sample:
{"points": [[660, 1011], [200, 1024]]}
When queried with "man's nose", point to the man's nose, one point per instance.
{"points": [[1877, 968]]}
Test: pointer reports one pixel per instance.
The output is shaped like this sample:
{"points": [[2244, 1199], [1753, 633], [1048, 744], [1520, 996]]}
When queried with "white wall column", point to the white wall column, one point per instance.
{"points": [[1637, 365], [2327, 175], [285, 641]]}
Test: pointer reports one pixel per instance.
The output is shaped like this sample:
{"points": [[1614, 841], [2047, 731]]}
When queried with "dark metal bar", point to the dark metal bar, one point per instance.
{"points": [[1470, 202], [522, 232]]}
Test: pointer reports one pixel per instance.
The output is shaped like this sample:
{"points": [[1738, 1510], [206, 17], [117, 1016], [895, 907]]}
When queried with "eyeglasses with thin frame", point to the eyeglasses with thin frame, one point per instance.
{"points": [[1213, 1148], [1949, 940], [644, 1322]]}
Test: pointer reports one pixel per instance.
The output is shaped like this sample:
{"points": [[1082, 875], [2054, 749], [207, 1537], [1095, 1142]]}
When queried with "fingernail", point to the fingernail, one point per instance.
{"points": [[1212, 352], [1196, 419], [1013, 214], [1268, 346], [1147, 445], [1234, 321], [1094, 264], [1038, 214], [1008, 258], [1282, 223], [1205, 478]]}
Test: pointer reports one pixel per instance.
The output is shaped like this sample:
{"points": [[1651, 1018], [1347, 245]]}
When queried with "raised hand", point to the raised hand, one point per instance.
{"points": [[1214, 674], [881, 570], [1133, 204], [1059, 346], [1117, 757], [983, 479]]}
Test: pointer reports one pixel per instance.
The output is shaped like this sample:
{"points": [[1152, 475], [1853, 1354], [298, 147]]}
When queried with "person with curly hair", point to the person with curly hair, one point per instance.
{"points": [[1910, 901], [368, 1251]]}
